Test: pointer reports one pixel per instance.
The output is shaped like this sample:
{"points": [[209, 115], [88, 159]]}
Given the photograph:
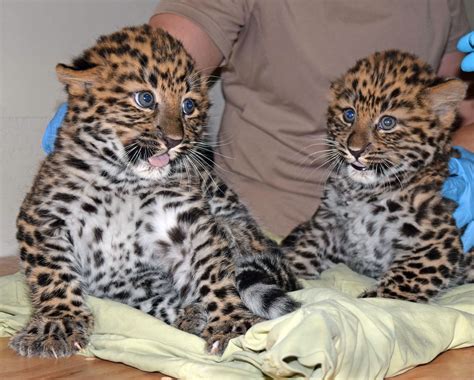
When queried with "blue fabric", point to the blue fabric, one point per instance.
{"points": [[49, 136], [459, 187], [466, 45]]}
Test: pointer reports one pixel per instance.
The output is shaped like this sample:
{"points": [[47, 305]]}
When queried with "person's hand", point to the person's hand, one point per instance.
{"points": [[466, 45], [49, 136], [459, 187]]}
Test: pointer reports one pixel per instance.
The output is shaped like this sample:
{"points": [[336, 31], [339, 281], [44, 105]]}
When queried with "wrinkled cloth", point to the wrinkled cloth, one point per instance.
{"points": [[334, 335], [466, 45], [459, 187]]}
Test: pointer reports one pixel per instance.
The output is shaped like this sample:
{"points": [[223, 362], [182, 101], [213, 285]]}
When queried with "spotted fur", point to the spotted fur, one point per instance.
{"points": [[126, 207], [382, 212]]}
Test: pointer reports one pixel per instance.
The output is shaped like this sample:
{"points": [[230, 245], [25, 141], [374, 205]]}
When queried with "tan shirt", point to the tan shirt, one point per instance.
{"points": [[280, 56]]}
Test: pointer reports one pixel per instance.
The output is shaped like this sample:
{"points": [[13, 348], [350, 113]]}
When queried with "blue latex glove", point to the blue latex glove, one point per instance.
{"points": [[466, 45], [459, 187], [49, 136]]}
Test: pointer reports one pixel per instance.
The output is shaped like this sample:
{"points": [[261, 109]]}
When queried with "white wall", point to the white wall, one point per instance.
{"points": [[36, 35]]}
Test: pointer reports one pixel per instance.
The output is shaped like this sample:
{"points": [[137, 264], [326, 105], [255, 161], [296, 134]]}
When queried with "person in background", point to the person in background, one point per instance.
{"points": [[460, 186], [466, 45], [277, 59], [276, 62]]}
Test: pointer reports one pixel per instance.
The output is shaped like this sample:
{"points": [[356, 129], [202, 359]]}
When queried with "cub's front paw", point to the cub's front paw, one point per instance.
{"points": [[192, 319], [218, 334], [394, 293], [368, 294], [51, 338]]}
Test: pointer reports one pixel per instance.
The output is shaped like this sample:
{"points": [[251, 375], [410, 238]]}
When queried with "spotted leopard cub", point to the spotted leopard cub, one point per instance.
{"points": [[389, 125], [125, 208]]}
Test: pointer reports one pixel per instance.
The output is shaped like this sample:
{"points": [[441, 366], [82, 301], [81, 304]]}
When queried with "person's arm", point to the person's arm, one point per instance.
{"points": [[195, 40], [464, 136]]}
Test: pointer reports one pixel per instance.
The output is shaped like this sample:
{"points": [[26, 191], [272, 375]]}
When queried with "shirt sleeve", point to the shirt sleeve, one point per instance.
{"points": [[222, 20], [459, 24]]}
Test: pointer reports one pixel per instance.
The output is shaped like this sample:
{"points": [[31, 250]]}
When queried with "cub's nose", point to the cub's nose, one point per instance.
{"points": [[171, 143], [357, 152]]}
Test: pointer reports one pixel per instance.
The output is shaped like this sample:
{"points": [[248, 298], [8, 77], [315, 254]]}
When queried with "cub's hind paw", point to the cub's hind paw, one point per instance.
{"points": [[51, 338]]}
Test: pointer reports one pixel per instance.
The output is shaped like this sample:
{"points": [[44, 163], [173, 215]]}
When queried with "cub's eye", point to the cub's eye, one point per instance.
{"points": [[349, 115], [188, 106], [145, 99], [387, 122]]}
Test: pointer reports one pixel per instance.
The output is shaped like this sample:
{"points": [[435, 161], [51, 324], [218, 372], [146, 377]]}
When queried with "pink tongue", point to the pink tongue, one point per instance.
{"points": [[358, 164], [159, 160]]}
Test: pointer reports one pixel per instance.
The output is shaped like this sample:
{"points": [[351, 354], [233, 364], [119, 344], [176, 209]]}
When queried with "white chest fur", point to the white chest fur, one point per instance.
{"points": [[115, 233], [366, 233]]}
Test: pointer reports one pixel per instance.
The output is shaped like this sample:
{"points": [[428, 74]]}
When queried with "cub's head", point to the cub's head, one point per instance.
{"points": [[136, 99], [389, 115]]}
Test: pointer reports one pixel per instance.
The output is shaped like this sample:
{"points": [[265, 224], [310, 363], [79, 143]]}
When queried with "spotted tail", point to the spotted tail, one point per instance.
{"points": [[262, 281]]}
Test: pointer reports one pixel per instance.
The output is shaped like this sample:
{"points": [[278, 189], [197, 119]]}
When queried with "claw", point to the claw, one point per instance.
{"points": [[215, 348], [54, 353], [78, 346]]}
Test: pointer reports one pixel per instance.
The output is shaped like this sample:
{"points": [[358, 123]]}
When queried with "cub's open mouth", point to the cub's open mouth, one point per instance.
{"points": [[358, 166]]}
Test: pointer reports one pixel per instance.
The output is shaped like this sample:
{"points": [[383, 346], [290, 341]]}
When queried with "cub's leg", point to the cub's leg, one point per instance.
{"points": [[214, 273], [61, 322], [216, 326], [468, 268], [420, 273], [263, 275], [149, 290], [227, 317], [215, 321], [312, 246]]}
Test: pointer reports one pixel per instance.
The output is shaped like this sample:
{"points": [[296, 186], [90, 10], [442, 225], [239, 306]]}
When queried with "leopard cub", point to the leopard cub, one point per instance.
{"points": [[125, 208], [389, 125]]}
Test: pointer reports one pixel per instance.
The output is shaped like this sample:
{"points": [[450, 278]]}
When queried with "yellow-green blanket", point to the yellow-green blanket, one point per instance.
{"points": [[334, 334]]}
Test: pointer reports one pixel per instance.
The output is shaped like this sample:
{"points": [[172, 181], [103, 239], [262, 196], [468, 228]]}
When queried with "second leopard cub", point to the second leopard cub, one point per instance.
{"points": [[389, 125], [125, 209]]}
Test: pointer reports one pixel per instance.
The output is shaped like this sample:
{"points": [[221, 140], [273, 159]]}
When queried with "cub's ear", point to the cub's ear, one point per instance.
{"points": [[335, 89], [77, 80], [446, 96]]}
